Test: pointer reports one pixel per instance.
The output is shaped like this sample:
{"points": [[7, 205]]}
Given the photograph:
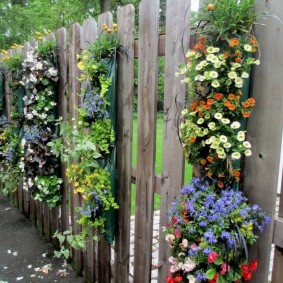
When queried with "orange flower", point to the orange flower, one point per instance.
{"points": [[201, 47], [209, 159], [220, 185], [192, 106], [197, 109], [238, 97], [207, 107], [218, 96], [246, 104], [246, 114], [238, 60], [221, 175], [192, 139], [203, 162], [226, 55], [253, 41], [236, 173], [200, 114], [234, 42], [202, 39], [202, 103], [209, 173], [251, 101], [231, 96], [227, 103], [238, 53], [210, 7], [209, 101], [232, 107], [254, 50]]}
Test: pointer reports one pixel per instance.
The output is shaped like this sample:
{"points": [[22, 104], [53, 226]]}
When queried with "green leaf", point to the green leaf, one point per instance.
{"points": [[66, 253], [220, 279], [210, 273], [219, 260]]}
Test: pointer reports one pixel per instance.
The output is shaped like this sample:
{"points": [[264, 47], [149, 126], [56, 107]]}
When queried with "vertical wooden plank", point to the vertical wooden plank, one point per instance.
{"points": [[147, 98], [89, 32], [61, 43], [47, 222], [39, 216], [177, 43], [262, 168], [125, 92], [104, 254], [74, 90]]}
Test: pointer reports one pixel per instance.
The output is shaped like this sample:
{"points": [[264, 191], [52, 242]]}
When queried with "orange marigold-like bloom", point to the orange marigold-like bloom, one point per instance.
{"points": [[226, 55], [232, 107], [207, 107], [227, 103], [218, 96], [200, 114], [234, 42], [246, 114], [203, 162], [209, 173], [236, 173], [201, 103], [220, 185], [238, 53], [246, 104], [251, 101], [253, 41], [192, 139], [210, 7], [209, 101], [231, 96], [238, 60], [197, 109], [238, 97], [202, 39], [209, 159]]}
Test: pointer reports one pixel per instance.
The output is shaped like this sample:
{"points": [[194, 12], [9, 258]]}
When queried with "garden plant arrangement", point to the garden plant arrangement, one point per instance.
{"points": [[211, 222], [88, 147]]}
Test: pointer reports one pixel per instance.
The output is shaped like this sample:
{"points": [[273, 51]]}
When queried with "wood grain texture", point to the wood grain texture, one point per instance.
{"points": [[125, 90], [74, 90], [147, 98], [89, 32], [265, 128], [106, 18], [178, 19]]}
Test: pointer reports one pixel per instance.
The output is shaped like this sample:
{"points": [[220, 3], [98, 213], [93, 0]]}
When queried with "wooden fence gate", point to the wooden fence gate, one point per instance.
{"points": [[265, 128]]}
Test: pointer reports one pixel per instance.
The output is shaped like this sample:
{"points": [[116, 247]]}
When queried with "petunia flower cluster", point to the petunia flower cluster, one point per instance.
{"points": [[209, 232]]}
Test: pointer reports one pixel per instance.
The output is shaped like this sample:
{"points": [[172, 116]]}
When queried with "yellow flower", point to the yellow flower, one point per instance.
{"points": [[81, 65], [78, 56], [80, 190], [37, 33], [94, 67], [85, 57], [109, 30], [77, 184], [85, 197]]}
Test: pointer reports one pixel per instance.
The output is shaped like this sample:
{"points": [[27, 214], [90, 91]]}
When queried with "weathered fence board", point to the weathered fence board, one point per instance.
{"points": [[178, 16], [265, 128], [125, 90], [74, 90], [147, 98]]}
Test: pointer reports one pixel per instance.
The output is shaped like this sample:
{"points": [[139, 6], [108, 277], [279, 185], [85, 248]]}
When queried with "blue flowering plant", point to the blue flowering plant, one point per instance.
{"points": [[209, 231]]}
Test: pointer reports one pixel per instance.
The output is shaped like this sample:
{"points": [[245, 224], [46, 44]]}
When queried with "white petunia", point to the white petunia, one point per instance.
{"points": [[200, 121], [248, 152], [209, 57], [222, 155], [223, 138], [248, 47], [232, 75], [236, 155], [217, 65], [218, 116], [215, 83], [245, 75], [198, 67], [256, 62], [239, 80], [247, 144], [211, 126], [220, 150], [235, 125], [213, 74], [215, 145], [227, 145], [225, 121]]}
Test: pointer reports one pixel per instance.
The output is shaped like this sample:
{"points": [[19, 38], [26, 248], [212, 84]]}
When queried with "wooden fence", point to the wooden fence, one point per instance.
{"points": [[262, 172]]}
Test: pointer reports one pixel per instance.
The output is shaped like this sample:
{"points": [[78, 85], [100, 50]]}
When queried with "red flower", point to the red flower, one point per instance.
{"points": [[247, 276], [253, 265], [212, 257], [179, 278], [170, 279], [174, 220], [177, 233], [218, 96]]}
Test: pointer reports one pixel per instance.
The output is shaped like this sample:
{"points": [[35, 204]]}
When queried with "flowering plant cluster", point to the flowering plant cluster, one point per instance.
{"points": [[38, 163], [211, 224], [90, 139], [213, 133], [209, 232]]}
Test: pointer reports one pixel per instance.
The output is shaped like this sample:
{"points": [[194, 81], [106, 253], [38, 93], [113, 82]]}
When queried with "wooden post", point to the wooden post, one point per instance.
{"points": [[74, 90], [147, 98], [265, 128], [125, 91], [177, 44]]}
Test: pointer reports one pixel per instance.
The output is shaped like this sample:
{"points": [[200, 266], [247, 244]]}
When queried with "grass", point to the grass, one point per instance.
{"points": [[158, 161]]}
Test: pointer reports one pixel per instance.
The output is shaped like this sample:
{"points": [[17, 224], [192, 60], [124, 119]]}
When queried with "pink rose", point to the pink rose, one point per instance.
{"points": [[224, 268], [212, 257]]}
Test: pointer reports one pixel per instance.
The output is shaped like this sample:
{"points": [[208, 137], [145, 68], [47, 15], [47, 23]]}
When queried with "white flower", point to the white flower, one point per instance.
{"points": [[199, 78], [53, 72], [220, 150], [207, 116], [211, 126], [190, 54], [170, 238], [210, 49], [241, 136], [236, 155], [38, 66], [248, 47], [215, 145], [215, 83], [192, 279], [184, 244], [235, 66], [214, 59], [174, 268], [209, 57], [188, 265], [218, 116], [200, 121], [239, 80], [216, 49], [247, 144], [248, 152], [204, 63], [227, 145], [217, 65], [213, 74], [225, 121], [245, 75], [29, 116], [184, 112], [198, 67], [223, 138], [239, 85], [256, 62], [235, 125], [222, 155], [232, 75], [172, 260]]}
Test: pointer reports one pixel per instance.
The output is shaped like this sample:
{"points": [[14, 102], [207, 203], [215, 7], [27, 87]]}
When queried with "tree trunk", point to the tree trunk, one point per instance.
{"points": [[104, 5]]}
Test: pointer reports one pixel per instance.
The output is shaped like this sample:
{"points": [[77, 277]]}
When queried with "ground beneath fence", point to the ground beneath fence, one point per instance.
{"points": [[25, 256]]}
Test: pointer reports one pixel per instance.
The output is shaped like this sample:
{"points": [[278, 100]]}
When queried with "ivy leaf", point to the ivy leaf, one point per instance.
{"points": [[220, 279], [210, 273]]}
